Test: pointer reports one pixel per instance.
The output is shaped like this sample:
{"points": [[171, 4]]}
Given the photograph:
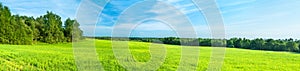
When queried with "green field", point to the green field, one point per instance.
{"points": [[60, 57]]}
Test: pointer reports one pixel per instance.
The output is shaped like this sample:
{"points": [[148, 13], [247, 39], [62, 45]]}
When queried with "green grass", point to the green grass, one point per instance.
{"points": [[60, 57]]}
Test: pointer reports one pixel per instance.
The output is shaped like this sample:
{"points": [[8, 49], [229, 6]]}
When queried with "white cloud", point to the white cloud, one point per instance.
{"points": [[236, 3], [88, 12], [171, 1], [169, 15], [37, 7]]}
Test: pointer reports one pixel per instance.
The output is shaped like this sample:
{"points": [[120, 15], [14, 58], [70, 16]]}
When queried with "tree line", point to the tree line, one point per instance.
{"points": [[24, 30], [290, 45]]}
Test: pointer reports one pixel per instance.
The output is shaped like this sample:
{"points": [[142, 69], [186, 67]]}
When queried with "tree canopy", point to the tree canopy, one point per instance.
{"points": [[290, 45], [48, 28]]}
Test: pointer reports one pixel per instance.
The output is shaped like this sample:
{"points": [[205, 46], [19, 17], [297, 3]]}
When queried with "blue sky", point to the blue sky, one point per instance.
{"points": [[242, 18]]}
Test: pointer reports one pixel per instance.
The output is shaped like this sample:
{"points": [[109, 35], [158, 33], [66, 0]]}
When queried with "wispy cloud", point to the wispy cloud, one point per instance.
{"points": [[38, 7], [238, 3], [247, 18]]}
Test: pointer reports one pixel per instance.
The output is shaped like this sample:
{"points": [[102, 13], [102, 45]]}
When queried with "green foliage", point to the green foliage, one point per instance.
{"points": [[237, 42], [246, 43], [204, 42], [24, 30], [53, 32], [14, 29], [171, 40], [22, 33], [72, 31], [258, 44], [5, 24], [230, 43], [292, 46]]}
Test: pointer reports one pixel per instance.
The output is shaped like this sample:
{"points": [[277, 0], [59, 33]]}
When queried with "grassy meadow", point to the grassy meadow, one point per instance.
{"points": [[60, 57]]}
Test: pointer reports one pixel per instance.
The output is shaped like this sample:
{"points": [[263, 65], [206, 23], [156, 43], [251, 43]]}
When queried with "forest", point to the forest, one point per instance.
{"points": [[290, 45], [25, 30]]}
